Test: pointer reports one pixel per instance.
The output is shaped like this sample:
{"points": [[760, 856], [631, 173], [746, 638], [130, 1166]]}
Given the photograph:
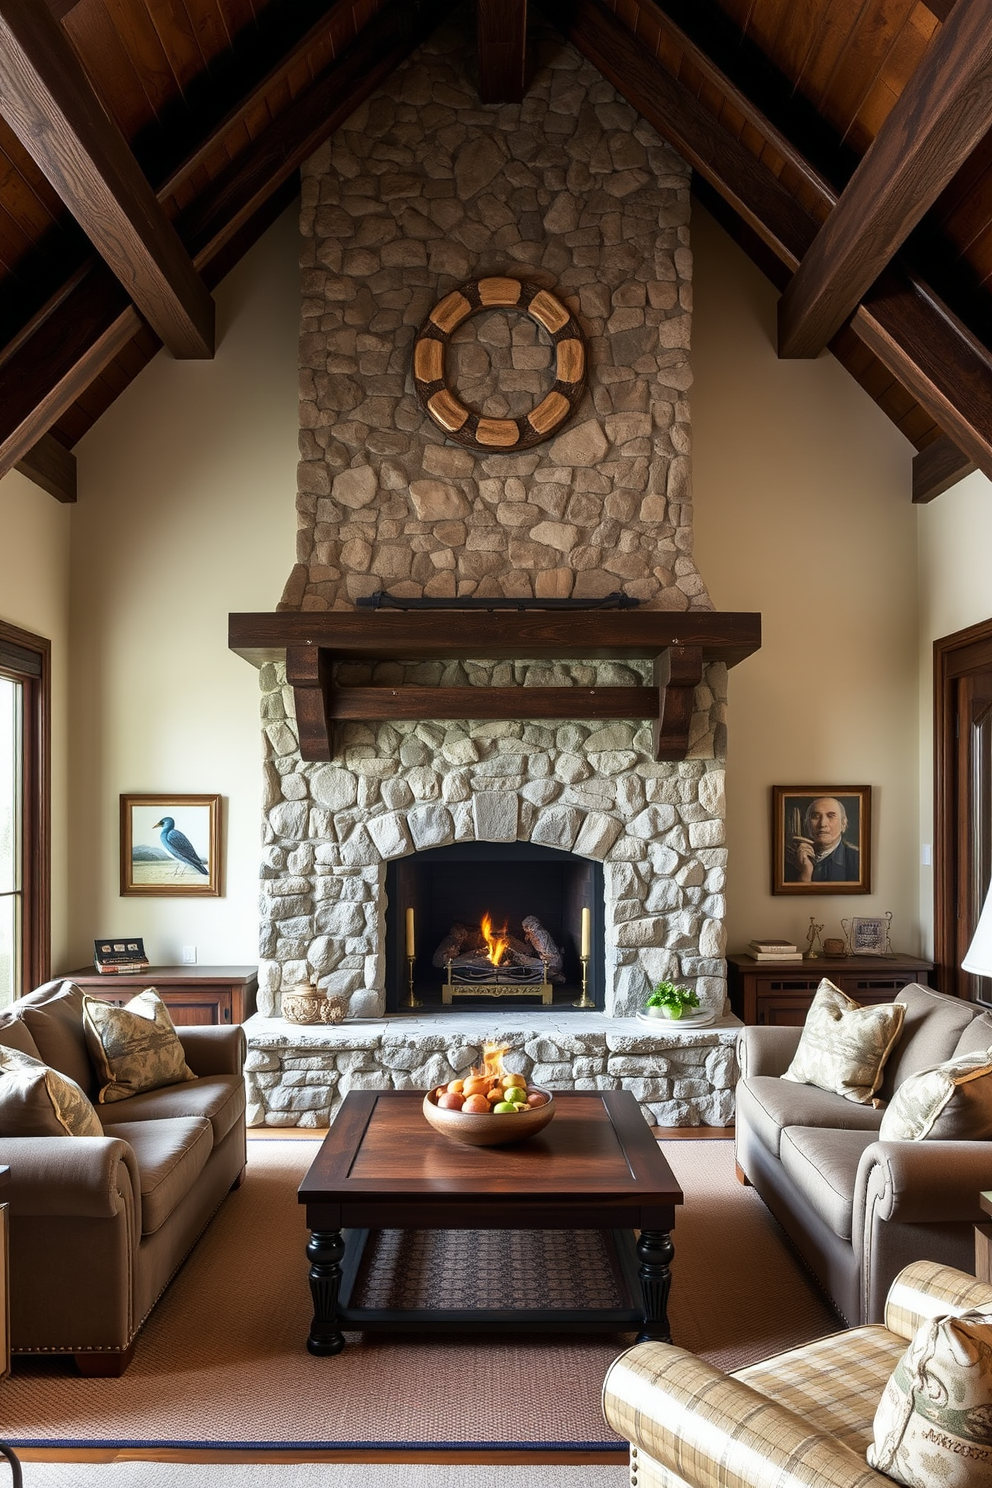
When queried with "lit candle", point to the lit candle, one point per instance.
{"points": [[586, 932], [411, 948]]}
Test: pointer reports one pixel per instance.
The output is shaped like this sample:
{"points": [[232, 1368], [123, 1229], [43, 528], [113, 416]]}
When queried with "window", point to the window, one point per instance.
{"points": [[24, 811]]}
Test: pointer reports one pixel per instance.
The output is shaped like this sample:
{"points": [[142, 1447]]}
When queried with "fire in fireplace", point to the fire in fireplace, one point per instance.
{"points": [[480, 921]]}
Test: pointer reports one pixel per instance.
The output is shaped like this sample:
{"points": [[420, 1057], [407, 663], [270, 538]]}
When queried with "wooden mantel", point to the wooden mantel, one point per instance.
{"points": [[679, 643]]}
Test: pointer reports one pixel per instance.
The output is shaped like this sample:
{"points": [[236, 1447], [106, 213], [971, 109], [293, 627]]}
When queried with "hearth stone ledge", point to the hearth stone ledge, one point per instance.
{"points": [[297, 1075]]}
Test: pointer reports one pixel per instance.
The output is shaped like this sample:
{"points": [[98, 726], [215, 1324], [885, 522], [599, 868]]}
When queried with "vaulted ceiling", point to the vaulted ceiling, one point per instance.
{"points": [[845, 144]]}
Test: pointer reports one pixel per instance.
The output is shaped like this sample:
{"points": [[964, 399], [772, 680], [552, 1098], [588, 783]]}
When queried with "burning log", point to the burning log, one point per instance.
{"points": [[453, 943], [544, 945]]}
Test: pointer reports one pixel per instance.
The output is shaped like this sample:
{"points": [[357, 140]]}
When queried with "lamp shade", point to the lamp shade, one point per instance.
{"points": [[978, 959]]}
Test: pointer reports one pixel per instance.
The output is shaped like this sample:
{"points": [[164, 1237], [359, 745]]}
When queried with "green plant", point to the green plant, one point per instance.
{"points": [[673, 999]]}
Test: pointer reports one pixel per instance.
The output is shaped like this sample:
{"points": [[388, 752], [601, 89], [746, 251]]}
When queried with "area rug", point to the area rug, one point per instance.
{"points": [[222, 1361]]}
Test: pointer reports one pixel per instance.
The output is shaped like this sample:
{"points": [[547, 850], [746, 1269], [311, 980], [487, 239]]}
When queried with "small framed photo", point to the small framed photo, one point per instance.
{"points": [[170, 845], [821, 839], [869, 935]]}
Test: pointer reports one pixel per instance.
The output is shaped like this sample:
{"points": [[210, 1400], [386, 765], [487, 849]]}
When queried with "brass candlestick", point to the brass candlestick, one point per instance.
{"points": [[585, 1001], [411, 1001]]}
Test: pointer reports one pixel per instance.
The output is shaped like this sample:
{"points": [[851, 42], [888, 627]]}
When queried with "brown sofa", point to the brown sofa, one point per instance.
{"points": [[99, 1225], [858, 1209]]}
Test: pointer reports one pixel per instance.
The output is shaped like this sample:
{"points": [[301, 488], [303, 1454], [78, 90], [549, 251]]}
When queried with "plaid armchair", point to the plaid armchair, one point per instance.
{"points": [[798, 1418]]}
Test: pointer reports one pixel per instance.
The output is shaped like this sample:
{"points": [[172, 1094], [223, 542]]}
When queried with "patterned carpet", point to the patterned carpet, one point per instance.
{"points": [[222, 1362]]}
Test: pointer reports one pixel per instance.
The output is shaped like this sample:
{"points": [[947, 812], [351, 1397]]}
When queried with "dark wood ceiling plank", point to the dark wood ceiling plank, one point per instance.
{"points": [[49, 104], [914, 337], [44, 373], [52, 467], [940, 117], [937, 468], [110, 68], [178, 40], [138, 36], [870, 48], [501, 38]]}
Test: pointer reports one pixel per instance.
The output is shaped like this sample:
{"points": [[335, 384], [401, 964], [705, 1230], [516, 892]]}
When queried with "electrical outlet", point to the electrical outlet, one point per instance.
{"points": [[189, 955]]}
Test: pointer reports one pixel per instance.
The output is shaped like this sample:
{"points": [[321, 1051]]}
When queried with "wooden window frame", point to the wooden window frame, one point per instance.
{"points": [[954, 657], [28, 659]]}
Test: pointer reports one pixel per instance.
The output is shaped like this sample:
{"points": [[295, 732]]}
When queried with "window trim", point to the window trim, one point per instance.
{"points": [[28, 658]]}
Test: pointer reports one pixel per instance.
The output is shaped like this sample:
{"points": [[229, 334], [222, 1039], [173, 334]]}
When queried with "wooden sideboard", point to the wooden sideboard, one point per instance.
{"points": [[193, 994], [780, 993]]}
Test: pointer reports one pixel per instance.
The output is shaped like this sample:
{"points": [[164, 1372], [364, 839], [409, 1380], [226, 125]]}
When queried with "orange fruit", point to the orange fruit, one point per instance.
{"points": [[475, 1085], [456, 1087], [475, 1103]]}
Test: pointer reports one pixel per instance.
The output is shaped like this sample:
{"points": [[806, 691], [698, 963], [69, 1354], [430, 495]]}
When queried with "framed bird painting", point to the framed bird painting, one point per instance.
{"points": [[170, 845]]}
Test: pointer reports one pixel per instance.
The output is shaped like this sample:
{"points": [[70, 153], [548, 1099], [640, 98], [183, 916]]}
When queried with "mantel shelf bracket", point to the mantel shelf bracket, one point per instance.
{"points": [[680, 644]]}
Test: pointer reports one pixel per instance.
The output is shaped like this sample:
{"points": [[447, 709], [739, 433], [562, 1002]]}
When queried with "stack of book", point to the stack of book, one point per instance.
{"points": [[774, 950], [115, 957]]}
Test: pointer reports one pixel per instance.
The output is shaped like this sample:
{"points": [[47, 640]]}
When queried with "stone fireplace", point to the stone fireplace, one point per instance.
{"points": [[421, 190]]}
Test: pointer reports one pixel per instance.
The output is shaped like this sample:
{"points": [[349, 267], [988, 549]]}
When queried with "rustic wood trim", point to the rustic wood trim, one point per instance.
{"points": [[35, 675], [677, 672], [308, 672], [501, 33], [938, 467], [954, 656], [410, 701], [938, 119], [53, 110], [52, 467]]}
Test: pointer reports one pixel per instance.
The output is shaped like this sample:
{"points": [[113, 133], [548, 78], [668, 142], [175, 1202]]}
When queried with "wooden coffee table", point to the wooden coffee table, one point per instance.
{"points": [[382, 1167]]}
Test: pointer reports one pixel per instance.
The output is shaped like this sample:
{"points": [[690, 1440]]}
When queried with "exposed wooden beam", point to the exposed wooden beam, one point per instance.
{"points": [[47, 100], [938, 119], [83, 329], [903, 322], [937, 468], [501, 31], [52, 467]]}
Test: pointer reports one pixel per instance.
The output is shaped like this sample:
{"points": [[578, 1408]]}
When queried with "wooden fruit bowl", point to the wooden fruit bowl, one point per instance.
{"points": [[488, 1128]]}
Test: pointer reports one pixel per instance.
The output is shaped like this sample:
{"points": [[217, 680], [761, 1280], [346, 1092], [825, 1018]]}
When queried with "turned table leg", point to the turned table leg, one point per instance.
{"points": [[655, 1251], [324, 1250]]}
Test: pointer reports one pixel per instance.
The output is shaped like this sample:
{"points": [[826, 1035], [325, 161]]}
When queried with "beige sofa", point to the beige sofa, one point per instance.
{"points": [[858, 1209], [99, 1225], [803, 1417]]}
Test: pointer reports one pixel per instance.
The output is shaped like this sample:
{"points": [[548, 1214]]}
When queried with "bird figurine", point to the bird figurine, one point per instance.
{"points": [[178, 845]]}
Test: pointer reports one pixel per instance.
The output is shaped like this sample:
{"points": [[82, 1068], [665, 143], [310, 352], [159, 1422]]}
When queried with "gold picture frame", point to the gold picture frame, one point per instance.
{"points": [[170, 846]]}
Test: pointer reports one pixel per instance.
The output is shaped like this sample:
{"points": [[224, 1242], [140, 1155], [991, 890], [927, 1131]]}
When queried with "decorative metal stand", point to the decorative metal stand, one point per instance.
{"points": [[585, 1001], [504, 981], [411, 1001]]}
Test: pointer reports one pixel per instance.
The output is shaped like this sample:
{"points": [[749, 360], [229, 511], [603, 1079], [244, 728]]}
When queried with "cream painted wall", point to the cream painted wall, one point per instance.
{"points": [[803, 511], [955, 592], [186, 511], [34, 595]]}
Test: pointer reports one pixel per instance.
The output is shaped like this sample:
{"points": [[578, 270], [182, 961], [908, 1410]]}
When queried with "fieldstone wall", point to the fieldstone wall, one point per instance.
{"points": [[419, 191], [298, 1077]]}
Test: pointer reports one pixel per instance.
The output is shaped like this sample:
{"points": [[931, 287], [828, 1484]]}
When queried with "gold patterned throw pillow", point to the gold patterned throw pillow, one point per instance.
{"points": [[36, 1101], [135, 1047], [933, 1425], [950, 1102], [844, 1046]]}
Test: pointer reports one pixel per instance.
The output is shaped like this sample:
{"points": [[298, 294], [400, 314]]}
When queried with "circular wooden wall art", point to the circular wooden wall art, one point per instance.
{"points": [[472, 429]]}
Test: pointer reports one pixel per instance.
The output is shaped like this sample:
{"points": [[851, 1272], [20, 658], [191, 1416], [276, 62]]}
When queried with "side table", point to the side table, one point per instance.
{"points": [[4, 1278], [193, 994], [780, 992], [983, 1242]]}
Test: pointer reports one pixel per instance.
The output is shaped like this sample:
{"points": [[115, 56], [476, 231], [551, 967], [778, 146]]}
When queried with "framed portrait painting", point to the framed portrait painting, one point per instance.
{"points": [[170, 845], [821, 839]]}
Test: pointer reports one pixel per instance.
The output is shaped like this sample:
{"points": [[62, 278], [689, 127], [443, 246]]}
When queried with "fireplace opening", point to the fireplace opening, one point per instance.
{"points": [[493, 924]]}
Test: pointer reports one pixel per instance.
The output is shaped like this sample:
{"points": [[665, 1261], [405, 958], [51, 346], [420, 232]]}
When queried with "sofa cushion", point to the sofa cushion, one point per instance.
{"points": [[933, 1420], [931, 1028], [36, 1101], [15, 1034], [170, 1155], [975, 1038], [54, 1015], [767, 1105], [844, 1046], [824, 1167], [134, 1048], [952, 1102], [220, 1099]]}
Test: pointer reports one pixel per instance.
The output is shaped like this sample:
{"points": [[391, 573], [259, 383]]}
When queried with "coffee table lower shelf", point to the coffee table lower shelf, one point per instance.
{"points": [[628, 1316]]}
